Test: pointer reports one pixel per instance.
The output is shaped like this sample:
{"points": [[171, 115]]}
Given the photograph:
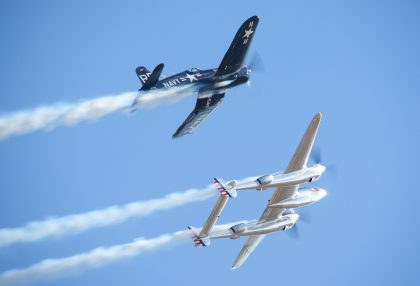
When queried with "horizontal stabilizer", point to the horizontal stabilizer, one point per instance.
{"points": [[225, 194]]}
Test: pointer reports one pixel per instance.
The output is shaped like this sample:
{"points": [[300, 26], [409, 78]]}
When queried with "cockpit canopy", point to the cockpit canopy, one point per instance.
{"points": [[288, 212]]}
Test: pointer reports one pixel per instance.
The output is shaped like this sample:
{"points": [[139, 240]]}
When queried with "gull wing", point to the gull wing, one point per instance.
{"points": [[235, 55], [204, 106], [247, 249]]}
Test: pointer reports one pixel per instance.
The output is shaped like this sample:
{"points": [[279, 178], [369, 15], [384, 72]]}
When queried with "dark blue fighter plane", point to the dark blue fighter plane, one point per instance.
{"points": [[210, 84]]}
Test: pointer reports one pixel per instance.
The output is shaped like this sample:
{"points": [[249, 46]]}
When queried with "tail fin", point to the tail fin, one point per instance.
{"points": [[143, 74], [228, 193], [235, 55], [149, 79], [197, 240]]}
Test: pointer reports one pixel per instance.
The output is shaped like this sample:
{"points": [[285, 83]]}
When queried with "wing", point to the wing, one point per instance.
{"points": [[247, 249], [268, 214], [300, 158], [281, 193], [204, 106], [235, 55], [298, 161]]}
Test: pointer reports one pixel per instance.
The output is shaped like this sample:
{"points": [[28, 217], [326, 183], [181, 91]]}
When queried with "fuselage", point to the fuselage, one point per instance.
{"points": [[254, 228], [302, 198], [309, 174], [305, 175], [204, 80]]}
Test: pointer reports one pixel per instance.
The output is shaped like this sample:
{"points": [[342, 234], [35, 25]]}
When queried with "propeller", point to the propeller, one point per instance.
{"points": [[294, 232], [304, 216], [256, 63], [316, 157]]}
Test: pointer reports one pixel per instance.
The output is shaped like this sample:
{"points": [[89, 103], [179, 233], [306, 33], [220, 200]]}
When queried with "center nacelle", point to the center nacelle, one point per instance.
{"points": [[302, 198]]}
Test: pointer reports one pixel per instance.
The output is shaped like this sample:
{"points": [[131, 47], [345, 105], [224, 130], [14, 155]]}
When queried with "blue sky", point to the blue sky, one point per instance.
{"points": [[355, 61]]}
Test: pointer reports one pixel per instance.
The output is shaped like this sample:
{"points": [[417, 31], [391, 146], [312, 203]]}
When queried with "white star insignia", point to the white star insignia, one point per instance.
{"points": [[248, 33], [191, 77]]}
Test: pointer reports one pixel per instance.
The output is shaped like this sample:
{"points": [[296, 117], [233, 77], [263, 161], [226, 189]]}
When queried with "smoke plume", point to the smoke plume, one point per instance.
{"points": [[49, 117], [98, 257], [76, 223]]}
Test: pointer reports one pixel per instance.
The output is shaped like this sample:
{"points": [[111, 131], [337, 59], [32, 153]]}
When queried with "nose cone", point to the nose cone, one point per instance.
{"points": [[294, 217], [321, 193]]}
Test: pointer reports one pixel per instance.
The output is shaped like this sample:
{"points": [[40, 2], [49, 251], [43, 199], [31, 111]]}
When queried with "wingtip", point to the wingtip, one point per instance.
{"points": [[176, 135], [318, 116], [252, 18]]}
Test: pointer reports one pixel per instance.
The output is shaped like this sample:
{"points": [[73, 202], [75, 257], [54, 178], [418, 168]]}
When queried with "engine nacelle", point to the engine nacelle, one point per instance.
{"points": [[313, 179], [265, 180], [239, 228]]}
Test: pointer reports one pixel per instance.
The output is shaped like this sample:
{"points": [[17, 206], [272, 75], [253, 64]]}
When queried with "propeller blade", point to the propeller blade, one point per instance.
{"points": [[256, 63], [316, 155], [305, 215], [294, 232], [332, 171], [316, 158]]}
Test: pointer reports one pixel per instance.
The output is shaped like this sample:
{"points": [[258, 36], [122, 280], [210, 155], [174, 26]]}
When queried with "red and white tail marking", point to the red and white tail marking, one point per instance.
{"points": [[197, 241], [221, 189]]}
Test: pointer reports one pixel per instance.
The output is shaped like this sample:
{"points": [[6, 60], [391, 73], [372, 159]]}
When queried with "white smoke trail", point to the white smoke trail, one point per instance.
{"points": [[52, 268], [49, 117], [101, 256], [77, 223]]}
